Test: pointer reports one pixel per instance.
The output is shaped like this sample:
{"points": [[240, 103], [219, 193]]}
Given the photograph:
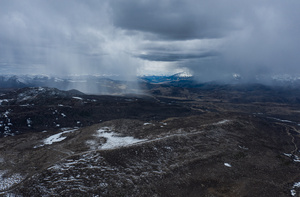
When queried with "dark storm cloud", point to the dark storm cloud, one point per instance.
{"points": [[174, 57], [254, 36], [178, 20], [211, 38]]}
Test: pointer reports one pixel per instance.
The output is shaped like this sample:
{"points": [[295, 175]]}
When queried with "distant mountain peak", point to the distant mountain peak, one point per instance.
{"points": [[183, 74]]}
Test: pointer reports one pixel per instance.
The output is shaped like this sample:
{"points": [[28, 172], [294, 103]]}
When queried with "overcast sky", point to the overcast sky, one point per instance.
{"points": [[210, 39]]}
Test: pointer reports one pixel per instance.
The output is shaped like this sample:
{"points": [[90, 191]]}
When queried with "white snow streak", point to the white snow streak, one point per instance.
{"points": [[222, 122], [293, 191], [280, 120], [79, 98], [55, 138], [227, 164], [295, 158]]}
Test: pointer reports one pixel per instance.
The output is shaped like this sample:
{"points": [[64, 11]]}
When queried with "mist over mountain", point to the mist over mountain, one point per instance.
{"points": [[86, 83], [95, 84]]}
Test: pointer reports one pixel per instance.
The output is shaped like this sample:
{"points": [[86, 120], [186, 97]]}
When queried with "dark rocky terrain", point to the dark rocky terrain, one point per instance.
{"points": [[178, 139]]}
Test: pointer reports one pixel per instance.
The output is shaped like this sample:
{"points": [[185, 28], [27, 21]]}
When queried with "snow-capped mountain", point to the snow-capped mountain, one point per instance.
{"points": [[167, 78]]}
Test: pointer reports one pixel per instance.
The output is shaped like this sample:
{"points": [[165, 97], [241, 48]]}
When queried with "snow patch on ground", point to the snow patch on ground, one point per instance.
{"points": [[295, 158], [3, 100], [55, 138], [5, 114], [293, 191], [8, 181], [280, 120], [6, 123], [114, 140], [227, 165], [76, 97], [29, 122], [222, 122]]}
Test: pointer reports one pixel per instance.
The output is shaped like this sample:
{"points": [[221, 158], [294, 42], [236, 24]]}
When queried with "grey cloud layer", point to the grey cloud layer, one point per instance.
{"points": [[254, 36], [174, 57], [175, 20], [208, 37]]}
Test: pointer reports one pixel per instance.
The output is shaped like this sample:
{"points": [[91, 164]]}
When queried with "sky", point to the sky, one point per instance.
{"points": [[209, 39]]}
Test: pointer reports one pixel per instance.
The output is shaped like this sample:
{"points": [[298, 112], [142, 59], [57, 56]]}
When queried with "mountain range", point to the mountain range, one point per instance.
{"points": [[173, 137]]}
